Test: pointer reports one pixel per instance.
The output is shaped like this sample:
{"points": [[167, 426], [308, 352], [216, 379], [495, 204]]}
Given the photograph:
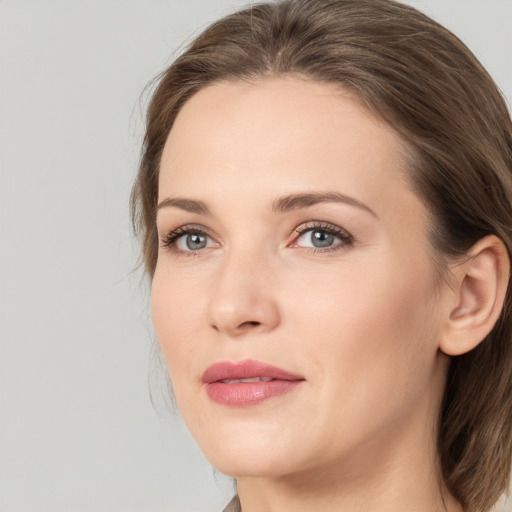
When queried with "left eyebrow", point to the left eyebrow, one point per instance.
{"points": [[298, 201]]}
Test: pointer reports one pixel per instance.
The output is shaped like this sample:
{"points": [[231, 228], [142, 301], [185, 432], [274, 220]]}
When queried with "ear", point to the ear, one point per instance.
{"points": [[479, 291]]}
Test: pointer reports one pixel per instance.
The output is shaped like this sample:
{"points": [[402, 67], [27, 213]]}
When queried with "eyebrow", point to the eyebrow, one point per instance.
{"points": [[188, 205], [282, 205], [298, 201]]}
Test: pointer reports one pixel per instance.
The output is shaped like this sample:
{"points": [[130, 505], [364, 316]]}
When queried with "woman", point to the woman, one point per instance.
{"points": [[324, 201]]}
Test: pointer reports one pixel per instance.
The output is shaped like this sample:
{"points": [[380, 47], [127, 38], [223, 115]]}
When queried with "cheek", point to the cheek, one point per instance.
{"points": [[178, 314], [369, 339], [373, 325]]}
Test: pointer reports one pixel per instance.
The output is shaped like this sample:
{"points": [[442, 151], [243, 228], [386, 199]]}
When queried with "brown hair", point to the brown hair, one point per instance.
{"points": [[422, 80]]}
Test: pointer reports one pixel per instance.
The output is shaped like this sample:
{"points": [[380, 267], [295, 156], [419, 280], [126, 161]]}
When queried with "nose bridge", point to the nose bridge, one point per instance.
{"points": [[242, 298]]}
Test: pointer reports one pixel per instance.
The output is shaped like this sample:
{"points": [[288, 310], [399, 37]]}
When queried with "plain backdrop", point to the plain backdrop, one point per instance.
{"points": [[78, 430]]}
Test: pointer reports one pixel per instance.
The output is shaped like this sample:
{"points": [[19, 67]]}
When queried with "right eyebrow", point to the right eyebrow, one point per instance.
{"points": [[188, 205]]}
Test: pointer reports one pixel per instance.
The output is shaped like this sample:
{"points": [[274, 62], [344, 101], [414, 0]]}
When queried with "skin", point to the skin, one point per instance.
{"points": [[360, 320]]}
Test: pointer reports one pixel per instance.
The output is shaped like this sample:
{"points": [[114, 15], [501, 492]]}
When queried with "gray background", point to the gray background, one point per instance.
{"points": [[78, 431]]}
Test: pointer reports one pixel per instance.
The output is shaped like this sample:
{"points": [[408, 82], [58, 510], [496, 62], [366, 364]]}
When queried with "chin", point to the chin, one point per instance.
{"points": [[238, 464], [247, 452]]}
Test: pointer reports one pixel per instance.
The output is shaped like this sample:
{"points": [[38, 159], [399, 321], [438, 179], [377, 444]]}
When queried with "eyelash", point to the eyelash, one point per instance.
{"points": [[347, 240], [168, 241]]}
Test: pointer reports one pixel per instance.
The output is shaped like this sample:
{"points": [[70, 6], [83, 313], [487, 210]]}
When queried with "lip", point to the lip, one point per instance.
{"points": [[221, 381]]}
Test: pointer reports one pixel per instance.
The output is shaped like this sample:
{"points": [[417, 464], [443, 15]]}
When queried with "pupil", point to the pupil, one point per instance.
{"points": [[322, 239], [196, 241]]}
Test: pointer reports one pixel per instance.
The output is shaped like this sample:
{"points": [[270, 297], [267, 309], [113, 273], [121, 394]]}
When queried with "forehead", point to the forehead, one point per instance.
{"points": [[280, 135]]}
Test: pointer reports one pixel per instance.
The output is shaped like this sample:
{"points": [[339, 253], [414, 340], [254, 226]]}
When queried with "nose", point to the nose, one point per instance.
{"points": [[243, 299]]}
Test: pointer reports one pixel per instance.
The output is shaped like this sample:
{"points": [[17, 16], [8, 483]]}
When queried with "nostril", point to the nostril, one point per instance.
{"points": [[244, 326], [251, 323]]}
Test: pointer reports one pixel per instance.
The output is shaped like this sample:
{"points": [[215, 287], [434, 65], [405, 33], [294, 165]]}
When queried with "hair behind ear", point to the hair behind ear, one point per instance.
{"points": [[476, 417]]}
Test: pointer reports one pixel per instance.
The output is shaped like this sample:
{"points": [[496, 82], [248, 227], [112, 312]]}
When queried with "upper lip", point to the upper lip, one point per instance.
{"points": [[248, 369]]}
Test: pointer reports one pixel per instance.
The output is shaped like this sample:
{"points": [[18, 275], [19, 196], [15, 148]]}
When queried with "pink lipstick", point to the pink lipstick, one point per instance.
{"points": [[247, 382]]}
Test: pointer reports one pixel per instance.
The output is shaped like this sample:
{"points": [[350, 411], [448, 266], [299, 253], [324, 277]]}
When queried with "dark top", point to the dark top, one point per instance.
{"points": [[233, 505]]}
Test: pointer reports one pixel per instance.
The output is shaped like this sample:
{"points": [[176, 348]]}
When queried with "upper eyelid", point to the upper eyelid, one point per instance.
{"points": [[322, 225], [318, 224], [185, 228], [299, 229], [169, 236]]}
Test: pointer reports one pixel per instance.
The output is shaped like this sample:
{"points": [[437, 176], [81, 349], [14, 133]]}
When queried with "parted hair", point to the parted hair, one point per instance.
{"points": [[418, 77]]}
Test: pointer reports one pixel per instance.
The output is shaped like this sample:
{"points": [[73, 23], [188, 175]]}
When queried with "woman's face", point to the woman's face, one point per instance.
{"points": [[294, 297]]}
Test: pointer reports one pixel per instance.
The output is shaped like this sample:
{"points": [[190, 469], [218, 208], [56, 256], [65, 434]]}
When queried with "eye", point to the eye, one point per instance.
{"points": [[187, 240], [322, 236]]}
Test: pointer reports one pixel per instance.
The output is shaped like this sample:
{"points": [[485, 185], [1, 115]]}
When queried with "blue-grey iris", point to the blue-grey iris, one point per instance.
{"points": [[322, 239], [195, 241]]}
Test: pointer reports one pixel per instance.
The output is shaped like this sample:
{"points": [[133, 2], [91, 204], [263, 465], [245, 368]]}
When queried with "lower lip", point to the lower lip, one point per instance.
{"points": [[244, 394]]}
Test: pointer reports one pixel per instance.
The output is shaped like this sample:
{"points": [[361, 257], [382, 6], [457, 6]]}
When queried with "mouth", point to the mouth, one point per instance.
{"points": [[247, 383], [253, 379]]}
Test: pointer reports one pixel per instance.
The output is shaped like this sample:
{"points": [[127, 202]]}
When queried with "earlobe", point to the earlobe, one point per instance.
{"points": [[480, 288]]}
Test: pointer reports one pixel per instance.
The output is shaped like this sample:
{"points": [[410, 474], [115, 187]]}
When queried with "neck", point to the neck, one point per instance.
{"points": [[395, 492], [397, 471]]}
